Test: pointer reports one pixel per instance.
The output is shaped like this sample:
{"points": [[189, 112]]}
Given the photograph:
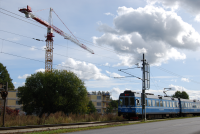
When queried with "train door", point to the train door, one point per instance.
{"points": [[138, 103]]}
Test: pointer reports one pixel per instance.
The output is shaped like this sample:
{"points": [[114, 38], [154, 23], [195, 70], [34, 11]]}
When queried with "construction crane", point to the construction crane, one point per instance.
{"points": [[49, 38]]}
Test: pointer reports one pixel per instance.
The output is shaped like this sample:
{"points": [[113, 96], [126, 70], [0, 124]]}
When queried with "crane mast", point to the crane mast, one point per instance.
{"points": [[49, 38], [49, 45]]}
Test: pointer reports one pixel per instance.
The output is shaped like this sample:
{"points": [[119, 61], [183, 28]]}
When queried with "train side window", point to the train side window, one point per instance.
{"points": [[137, 102], [149, 102], [182, 104], [173, 104], [121, 101], [164, 104], [170, 104], [157, 103], [186, 105], [167, 103], [177, 104], [161, 103], [153, 103], [146, 103], [132, 101]]}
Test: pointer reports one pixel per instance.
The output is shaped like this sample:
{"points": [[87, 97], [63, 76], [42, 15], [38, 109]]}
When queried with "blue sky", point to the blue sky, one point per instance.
{"points": [[118, 32]]}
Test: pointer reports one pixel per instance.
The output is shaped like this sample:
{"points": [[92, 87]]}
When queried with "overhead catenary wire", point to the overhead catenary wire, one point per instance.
{"points": [[172, 73]]}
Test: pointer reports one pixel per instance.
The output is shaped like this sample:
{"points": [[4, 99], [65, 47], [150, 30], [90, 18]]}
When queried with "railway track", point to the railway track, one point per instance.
{"points": [[33, 128]]}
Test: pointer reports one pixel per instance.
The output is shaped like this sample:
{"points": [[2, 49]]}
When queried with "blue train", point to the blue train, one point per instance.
{"points": [[156, 106]]}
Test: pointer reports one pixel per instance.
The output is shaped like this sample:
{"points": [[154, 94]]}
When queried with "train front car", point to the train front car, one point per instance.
{"points": [[129, 104]]}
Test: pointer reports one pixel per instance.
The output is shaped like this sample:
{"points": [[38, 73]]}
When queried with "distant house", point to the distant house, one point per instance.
{"points": [[12, 100], [100, 100]]}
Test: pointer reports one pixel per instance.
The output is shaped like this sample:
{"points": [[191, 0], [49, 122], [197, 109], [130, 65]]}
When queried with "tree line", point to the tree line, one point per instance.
{"points": [[59, 90]]}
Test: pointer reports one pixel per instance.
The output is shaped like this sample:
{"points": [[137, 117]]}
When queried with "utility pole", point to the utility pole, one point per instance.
{"points": [[145, 85], [4, 95]]}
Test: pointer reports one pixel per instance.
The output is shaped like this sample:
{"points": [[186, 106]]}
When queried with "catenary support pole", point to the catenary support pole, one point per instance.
{"points": [[143, 89]]}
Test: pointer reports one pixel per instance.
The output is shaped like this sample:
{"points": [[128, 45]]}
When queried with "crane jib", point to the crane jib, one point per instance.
{"points": [[27, 11]]}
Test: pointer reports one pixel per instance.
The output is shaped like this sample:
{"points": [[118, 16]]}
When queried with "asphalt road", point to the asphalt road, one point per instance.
{"points": [[180, 126]]}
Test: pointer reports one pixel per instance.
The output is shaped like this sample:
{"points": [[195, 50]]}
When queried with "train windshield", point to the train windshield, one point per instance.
{"points": [[126, 101], [121, 101], [132, 101]]}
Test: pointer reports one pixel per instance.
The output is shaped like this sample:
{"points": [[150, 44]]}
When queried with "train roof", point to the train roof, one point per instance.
{"points": [[148, 95], [186, 100]]}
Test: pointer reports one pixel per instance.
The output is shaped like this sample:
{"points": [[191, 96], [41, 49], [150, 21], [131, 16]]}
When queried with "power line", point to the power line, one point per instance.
{"points": [[172, 73], [55, 64], [87, 42], [16, 14], [54, 52], [93, 45], [56, 44], [22, 20]]}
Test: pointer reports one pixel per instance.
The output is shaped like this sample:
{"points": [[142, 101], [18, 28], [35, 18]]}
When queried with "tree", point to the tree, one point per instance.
{"points": [[112, 105], [91, 108], [5, 77], [49, 92], [180, 94]]}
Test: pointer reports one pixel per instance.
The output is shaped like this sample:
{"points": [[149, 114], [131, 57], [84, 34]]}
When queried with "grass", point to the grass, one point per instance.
{"points": [[57, 118]]}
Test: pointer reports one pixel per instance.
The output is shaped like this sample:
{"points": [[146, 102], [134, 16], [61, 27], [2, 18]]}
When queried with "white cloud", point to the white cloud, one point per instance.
{"points": [[40, 70], [99, 23], [197, 18], [83, 70], [24, 76], [142, 50], [152, 30], [106, 84], [191, 6], [174, 80], [109, 14], [185, 79], [32, 48], [115, 92], [23, 83], [113, 74], [106, 64]]}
